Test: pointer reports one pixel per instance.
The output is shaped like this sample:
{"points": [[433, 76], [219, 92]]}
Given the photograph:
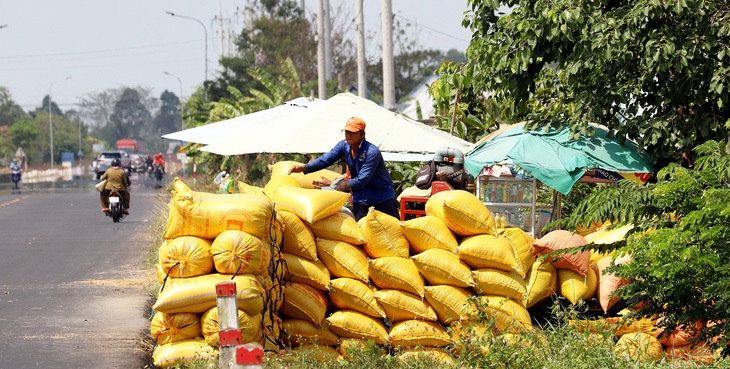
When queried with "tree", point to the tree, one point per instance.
{"points": [[10, 112], [652, 71], [679, 246], [167, 118], [277, 31], [24, 133], [96, 108], [131, 117]]}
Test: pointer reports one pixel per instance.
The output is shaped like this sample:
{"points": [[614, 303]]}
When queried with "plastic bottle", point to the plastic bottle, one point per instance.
{"points": [[513, 196], [498, 220], [505, 193], [493, 193], [499, 193]]}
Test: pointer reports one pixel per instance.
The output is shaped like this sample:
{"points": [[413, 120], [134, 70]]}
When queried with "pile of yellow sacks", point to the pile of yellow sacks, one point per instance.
{"points": [[311, 278]]}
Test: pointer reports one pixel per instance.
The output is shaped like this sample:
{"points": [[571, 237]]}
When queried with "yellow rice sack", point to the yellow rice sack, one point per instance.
{"points": [[352, 294], [167, 328], [450, 303], [401, 305], [509, 315], [246, 188], [343, 259], [301, 332], [206, 215], [639, 347], [396, 273], [174, 353], [298, 238], [383, 234], [338, 227], [439, 266], [237, 252], [185, 256], [280, 180], [524, 251], [301, 270], [198, 294], [418, 333], [434, 355], [305, 180], [428, 232], [250, 327], [319, 353], [488, 251], [462, 212], [310, 205], [352, 324], [542, 282], [576, 287], [500, 283], [302, 301]]}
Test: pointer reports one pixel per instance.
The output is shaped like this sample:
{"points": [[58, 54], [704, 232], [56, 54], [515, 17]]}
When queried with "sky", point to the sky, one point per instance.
{"points": [[72, 48]]}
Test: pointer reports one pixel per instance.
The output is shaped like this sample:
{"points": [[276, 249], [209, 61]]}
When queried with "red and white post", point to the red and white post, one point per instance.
{"points": [[229, 332]]}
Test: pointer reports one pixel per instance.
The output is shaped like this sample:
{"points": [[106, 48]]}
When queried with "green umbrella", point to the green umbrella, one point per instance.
{"points": [[555, 160]]}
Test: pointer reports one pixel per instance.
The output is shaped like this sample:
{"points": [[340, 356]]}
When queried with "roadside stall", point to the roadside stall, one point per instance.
{"points": [[511, 163]]}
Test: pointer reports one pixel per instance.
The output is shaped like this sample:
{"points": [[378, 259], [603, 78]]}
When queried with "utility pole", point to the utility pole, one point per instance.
{"points": [[388, 61], [362, 85], [327, 41], [321, 68]]}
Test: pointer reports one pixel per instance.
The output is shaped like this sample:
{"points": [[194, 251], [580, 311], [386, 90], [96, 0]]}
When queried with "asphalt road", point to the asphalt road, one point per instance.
{"points": [[74, 286]]}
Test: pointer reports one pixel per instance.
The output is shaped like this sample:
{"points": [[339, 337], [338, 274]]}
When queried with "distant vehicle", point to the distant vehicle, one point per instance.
{"points": [[138, 163], [127, 144], [104, 162]]}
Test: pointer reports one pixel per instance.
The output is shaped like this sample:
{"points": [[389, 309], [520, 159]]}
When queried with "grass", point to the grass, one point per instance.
{"points": [[552, 346]]}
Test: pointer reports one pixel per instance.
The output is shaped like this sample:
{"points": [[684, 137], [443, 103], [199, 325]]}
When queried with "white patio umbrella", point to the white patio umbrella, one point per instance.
{"points": [[319, 127], [234, 127]]}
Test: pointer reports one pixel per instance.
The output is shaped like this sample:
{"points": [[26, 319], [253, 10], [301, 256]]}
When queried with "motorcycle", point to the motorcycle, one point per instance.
{"points": [[16, 177], [115, 206], [159, 171]]}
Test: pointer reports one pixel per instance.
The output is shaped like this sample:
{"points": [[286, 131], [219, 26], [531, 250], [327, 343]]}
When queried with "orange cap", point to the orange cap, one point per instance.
{"points": [[355, 124]]}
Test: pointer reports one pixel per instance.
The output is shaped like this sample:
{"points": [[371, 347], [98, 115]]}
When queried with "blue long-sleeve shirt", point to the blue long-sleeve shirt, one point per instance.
{"points": [[370, 181]]}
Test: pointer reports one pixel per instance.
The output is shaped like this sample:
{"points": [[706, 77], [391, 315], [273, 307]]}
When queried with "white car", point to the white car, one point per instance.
{"points": [[104, 162]]}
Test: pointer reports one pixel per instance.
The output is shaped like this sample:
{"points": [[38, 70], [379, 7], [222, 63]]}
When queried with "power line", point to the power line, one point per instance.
{"points": [[77, 53], [431, 29]]}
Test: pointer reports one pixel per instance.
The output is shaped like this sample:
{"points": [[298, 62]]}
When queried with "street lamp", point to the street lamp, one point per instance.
{"points": [[182, 124], [206, 47], [50, 115]]}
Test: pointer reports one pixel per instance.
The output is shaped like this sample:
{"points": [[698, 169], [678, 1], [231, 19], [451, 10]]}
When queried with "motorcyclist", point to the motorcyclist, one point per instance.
{"points": [[15, 169], [115, 177], [159, 160], [148, 162]]}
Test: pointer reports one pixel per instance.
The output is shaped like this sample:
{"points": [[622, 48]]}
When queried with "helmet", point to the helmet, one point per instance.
{"points": [[116, 163]]}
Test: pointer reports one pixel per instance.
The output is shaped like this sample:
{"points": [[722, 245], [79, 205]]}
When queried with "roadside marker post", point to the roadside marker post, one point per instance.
{"points": [[229, 332]]}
